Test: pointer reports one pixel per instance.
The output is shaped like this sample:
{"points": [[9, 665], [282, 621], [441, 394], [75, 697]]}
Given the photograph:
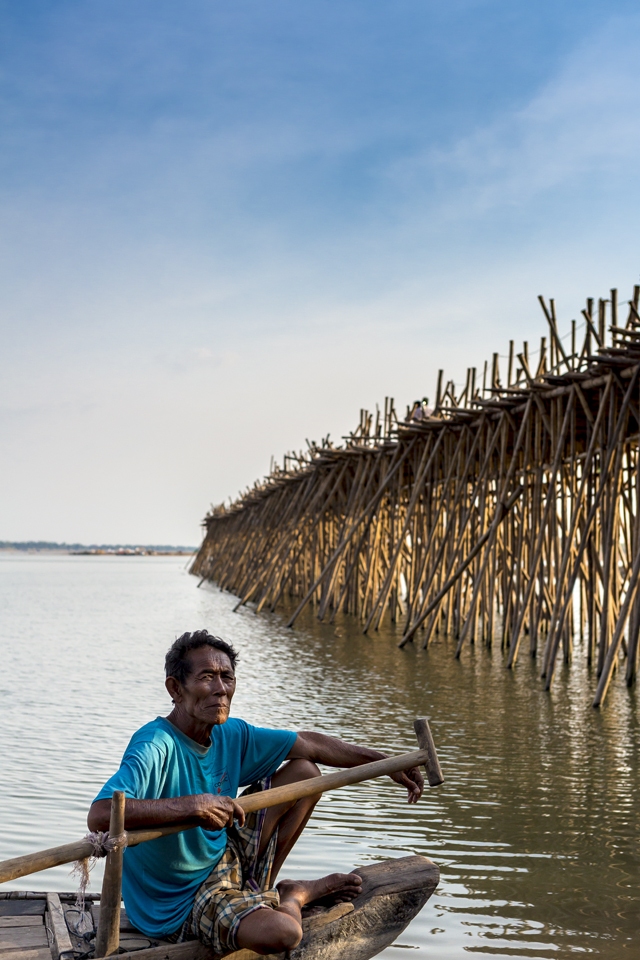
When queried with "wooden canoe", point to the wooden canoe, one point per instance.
{"points": [[39, 926]]}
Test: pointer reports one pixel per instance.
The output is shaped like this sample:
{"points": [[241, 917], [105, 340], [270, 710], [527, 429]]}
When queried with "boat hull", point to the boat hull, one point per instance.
{"points": [[394, 893]]}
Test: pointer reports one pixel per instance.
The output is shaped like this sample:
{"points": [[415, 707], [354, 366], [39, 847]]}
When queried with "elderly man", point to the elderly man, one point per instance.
{"points": [[216, 882]]}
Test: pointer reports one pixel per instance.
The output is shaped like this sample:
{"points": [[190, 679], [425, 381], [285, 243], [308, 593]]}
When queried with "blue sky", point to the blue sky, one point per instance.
{"points": [[226, 226]]}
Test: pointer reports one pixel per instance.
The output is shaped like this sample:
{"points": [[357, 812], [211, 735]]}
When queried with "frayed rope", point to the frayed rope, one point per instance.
{"points": [[102, 845]]}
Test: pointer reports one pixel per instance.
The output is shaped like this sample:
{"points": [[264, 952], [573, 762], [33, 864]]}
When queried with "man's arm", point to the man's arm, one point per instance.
{"points": [[337, 753], [202, 810]]}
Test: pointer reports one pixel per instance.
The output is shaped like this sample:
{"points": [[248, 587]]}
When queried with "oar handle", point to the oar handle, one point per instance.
{"points": [[425, 742], [331, 781]]}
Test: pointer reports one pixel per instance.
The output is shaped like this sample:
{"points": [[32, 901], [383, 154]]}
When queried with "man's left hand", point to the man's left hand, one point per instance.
{"points": [[411, 779]]}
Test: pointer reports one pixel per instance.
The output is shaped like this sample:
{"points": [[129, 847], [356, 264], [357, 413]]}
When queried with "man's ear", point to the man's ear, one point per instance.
{"points": [[173, 689]]}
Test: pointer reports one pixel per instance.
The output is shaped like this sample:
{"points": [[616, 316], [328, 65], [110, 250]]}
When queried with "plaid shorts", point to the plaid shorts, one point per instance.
{"points": [[237, 885]]}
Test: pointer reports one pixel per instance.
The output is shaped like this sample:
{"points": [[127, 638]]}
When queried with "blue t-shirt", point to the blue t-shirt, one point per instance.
{"points": [[160, 878]]}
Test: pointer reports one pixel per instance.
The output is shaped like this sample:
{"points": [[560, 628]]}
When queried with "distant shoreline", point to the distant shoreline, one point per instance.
{"points": [[96, 550]]}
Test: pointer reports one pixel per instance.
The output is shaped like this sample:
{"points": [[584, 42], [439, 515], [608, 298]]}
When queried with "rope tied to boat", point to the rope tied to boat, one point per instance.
{"points": [[102, 845]]}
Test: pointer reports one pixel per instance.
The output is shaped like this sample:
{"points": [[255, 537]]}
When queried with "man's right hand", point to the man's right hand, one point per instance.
{"points": [[214, 812], [204, 809]]}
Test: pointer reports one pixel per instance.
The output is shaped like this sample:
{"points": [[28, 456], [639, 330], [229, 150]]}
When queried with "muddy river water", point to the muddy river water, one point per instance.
{"points": [[536, 829]]}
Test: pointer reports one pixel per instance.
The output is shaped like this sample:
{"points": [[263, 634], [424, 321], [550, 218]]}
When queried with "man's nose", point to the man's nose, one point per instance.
{"points": [[217, 686]]}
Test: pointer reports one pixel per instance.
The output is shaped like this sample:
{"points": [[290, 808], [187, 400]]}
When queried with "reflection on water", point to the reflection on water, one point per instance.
{"points": [[534, 830]]}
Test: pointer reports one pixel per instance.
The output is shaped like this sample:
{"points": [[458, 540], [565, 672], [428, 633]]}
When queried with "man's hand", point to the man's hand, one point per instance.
{"points": [[204, 809], [414, 782], [213, 812]]}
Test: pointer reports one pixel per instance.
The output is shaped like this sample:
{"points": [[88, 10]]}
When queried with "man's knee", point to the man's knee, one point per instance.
{"points": [[300, 770], [284, 932], [268, 931]]}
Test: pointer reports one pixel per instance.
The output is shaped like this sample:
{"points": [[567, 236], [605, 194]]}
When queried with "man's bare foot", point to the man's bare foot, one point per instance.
{"points": [[336, 888]]}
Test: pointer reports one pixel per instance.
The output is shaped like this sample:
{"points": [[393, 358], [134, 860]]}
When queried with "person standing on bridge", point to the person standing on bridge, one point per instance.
{"points": [[216, 882]]}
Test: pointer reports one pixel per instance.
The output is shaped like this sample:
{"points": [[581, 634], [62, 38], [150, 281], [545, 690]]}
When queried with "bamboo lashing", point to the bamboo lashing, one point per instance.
{"points": [[55, 856], [509, 511]]}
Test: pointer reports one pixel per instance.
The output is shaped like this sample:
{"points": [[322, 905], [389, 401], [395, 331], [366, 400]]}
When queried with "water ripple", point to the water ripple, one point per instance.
{"points": [[534, 830]]}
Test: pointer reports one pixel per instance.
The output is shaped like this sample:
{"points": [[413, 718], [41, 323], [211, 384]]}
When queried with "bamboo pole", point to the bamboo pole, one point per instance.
{"points": [[108, 933]]}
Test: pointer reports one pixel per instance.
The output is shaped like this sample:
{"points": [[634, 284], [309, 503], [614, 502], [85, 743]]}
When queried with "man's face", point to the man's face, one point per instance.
{"points": [[208, 690]]}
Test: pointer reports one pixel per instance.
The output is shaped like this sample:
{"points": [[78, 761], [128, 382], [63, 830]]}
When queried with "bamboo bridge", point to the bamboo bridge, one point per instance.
{"points": [[510, 512]]}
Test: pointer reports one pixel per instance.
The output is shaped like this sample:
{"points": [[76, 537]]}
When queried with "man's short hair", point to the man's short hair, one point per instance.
{"points": [[176, 663]]}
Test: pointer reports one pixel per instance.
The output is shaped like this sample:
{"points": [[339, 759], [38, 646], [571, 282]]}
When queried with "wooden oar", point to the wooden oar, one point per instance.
{"points": [[67, 853]]}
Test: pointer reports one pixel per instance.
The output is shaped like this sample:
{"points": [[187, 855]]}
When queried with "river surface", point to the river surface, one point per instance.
{"points": [[536, 829]]}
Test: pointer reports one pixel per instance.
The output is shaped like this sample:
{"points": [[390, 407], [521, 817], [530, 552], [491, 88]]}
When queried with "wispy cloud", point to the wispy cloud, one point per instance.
{"points": [[582, 126]]}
